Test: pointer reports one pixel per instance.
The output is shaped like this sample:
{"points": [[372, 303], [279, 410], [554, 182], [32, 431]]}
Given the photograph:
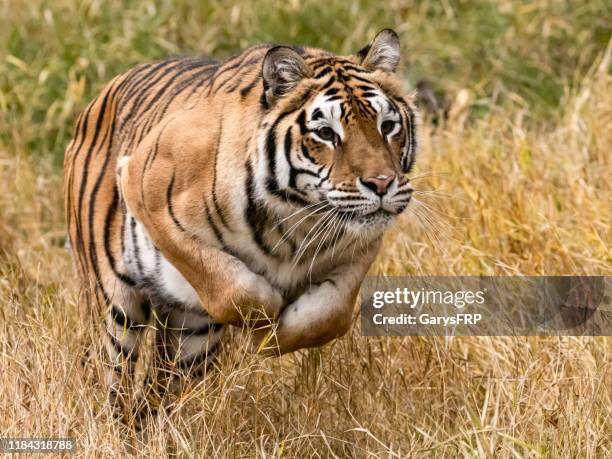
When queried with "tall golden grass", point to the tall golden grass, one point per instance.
{"points": [[510, 198]]}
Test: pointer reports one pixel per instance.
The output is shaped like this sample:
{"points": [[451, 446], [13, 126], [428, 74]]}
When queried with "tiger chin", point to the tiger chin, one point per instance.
{"points": [[198, 192]]}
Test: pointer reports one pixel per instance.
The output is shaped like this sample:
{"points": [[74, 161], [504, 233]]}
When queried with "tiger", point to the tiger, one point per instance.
{"points": [[200, 194]]}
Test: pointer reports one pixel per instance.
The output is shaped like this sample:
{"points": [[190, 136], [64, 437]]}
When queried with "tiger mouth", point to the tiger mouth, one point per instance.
{"points": [[376, 214], [380, 210]]}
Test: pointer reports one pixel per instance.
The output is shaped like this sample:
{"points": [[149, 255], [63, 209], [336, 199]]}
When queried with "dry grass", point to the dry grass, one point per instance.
{"points": [[514, 195]]}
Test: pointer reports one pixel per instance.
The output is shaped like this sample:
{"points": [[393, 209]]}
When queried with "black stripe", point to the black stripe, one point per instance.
{"points": [[297, 197], [185, 84], [119, 370], [413, 139], [344, 113], [324, 71], [198, 359], [270, 148], [181, 68], [407, 191], [316, 64], [351, 198], [122, 230], [178, 224], [212, 224], [122, 319], [357, 77], [354, 68], [109, 134], [329, 82], [156, 97], [149, 161], [247, 89], [324, 178], [316, 114], [146, 307], [271, 155], [411, 129], [224, 68], [306, 154], [137, 81], [107, 240], [125, 353], [331, 281], [142, 73], [135, 244], [210, 71], [143, 91], [256, 217], [294, 171], [237, 76], [84, 126], [405, 142], [203, 330], [99, 120], [218, 209], [331, 92], [301, 119], [263, 101], [177, 89], [152, 155]]}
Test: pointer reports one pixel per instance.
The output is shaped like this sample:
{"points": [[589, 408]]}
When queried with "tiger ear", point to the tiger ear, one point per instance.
{"points": [[283, 68], [383, 53]]}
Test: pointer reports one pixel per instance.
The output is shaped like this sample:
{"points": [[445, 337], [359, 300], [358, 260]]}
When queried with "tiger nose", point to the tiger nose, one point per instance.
{"points": [[378, 184]]}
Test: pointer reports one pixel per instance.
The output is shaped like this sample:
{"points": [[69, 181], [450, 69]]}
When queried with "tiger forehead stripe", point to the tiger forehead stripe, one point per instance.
{"points": [[337, 104]]}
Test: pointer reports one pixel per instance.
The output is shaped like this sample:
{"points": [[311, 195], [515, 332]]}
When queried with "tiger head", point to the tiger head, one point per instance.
{"points": [[339, 132]]}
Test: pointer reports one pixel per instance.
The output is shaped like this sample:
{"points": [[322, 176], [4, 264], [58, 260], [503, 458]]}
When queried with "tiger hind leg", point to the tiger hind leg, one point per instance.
{"points": [[186, 346], [126, 323]]}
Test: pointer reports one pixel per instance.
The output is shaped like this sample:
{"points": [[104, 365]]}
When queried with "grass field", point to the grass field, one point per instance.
{"points": [[516, 181]]}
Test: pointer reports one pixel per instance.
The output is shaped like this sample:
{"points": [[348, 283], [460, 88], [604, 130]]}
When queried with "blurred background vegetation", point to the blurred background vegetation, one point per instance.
{"points": [[56, 55]]}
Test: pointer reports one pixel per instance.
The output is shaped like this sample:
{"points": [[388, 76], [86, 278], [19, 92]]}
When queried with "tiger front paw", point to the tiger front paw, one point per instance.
{"points": [[317, 317], [256, 299]]}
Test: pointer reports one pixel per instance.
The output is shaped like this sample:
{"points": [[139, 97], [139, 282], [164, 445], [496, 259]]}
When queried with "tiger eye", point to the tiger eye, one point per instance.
{"points": [[387, 126], [326, 133]]}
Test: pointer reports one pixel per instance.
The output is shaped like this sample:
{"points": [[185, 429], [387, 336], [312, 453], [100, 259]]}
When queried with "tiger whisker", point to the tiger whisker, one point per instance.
{"points": [[432, 239], [423, 175], [297, 224], [297, 212], [435, 193], [337, 231], [305, 239], [431, 227], [444, 217], [330, 226], [429, 212], [440, 195], [308, 240]]}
